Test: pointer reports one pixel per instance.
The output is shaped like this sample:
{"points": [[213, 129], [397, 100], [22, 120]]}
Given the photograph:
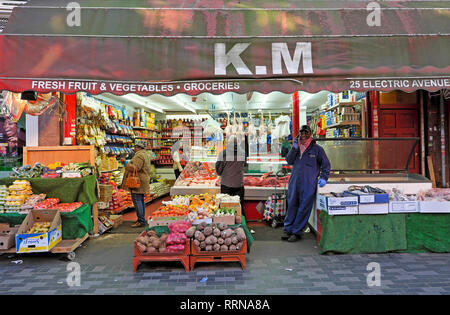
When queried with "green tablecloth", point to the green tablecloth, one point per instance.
{"points": [[66, 189], [75, 224], [164, 229], [414, 232]]}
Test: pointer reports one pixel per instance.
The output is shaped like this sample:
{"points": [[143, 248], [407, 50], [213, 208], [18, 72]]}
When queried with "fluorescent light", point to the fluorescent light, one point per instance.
{"points": [[143, 102], [183, 104]]}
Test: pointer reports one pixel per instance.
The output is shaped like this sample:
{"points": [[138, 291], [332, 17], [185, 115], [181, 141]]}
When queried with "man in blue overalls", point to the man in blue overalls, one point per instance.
{"points": [[310, 163]]}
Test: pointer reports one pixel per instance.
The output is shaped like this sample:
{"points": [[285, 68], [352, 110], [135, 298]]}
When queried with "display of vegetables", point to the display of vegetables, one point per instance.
{"points": [[171, 211], [47, 203], [216, 237], [39, 227], [225, 212], [166, 243], [68, 207]]}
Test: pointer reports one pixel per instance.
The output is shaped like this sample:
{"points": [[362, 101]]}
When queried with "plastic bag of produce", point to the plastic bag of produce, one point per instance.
{"points": [[174, 248], [176, 239], [179, 226]]}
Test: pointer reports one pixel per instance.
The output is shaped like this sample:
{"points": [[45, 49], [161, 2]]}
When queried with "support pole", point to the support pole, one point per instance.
{"points": [[295, 114]]}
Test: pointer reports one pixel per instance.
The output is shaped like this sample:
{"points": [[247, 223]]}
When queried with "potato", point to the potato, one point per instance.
{"points": [[201, 226], [207, 231], [209, 248], [223, 248], [216, 247], [163, 237], [232, 247], [202, 245], [141, 247], [239, 245], [151, 249], [196, 243], [191, 231], [226, 233], [222, 226], [234, 240], [142, 240], [220, 241], [199, 236], [151, 233], [212, 225], [162, 248], [228, 241], [216, 232], [156, 243], [240, 233]]}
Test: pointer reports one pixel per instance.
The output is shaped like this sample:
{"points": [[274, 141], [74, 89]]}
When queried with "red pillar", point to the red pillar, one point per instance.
{"points": [[70, 118], [295, 114]]}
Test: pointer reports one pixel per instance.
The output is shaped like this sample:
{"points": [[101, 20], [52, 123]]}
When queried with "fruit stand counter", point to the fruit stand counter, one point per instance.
{"points": [[400, 232], [68, 190], [75, 224]]}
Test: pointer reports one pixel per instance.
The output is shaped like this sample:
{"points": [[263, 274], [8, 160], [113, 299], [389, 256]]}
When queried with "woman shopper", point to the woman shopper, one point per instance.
{"points": [[140, 163], [230, 166]]}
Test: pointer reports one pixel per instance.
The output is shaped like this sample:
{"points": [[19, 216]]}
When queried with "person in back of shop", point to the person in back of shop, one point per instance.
{"points": [[310, 163], [230, 166], [178, 162], [141, 163]]}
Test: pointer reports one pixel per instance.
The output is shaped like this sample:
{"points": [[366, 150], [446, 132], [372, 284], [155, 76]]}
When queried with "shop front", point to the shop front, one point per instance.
{"points": [[106, 51]]}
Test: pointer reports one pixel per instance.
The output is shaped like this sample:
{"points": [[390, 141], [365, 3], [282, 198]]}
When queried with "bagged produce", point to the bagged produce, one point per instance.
{"points": [[176, 239], [179, 226], [174, 248]]}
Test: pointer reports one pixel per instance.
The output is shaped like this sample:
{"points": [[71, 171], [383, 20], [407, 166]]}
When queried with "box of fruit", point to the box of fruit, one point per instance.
{"points": [[39, 232]]}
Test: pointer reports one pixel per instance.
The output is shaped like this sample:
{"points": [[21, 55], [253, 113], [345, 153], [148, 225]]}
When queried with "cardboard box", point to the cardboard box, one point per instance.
{"points": [[39, 242], [165, 221], [342, 210], [403, 206], [338, 204], [7, 236], [369, 198], [228, 219], [235, 205], [434, 206], [373, 208]]}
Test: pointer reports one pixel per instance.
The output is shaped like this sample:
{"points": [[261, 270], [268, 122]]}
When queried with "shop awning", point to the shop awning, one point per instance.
{"points": [[187, 46]]}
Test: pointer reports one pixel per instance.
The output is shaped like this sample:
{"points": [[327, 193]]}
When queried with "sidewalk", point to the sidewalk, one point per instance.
{"points": [[274, 267]]}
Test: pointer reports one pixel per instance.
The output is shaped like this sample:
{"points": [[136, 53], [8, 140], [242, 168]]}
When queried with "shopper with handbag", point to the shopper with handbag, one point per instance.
{"points": [[137, 180]]}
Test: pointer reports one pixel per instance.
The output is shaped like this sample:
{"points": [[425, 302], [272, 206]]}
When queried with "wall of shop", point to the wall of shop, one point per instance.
{"points": [[437, 135]]}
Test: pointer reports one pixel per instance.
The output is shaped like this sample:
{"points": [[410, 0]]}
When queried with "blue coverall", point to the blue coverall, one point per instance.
{"points": [[303, 184]]}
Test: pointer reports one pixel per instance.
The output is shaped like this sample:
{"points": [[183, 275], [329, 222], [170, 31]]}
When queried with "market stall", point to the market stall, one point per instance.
{"points": [[195, 228], [368, 209]]}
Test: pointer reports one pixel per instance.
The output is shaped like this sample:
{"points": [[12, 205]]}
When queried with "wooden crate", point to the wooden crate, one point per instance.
{"points": [[64, 154], [210, 256], [140, 257]]}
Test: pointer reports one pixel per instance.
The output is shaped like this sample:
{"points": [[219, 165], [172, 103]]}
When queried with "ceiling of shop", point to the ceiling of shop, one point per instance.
{"points": [[274, 102]]}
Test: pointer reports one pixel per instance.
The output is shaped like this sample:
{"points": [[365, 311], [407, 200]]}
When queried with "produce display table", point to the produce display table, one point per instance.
{"points": [[75, 224], [406, 233], [182, 257], [208, 256], [67, 190], [64, 247]]}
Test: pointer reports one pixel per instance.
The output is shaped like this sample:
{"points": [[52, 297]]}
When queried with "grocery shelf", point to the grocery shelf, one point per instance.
{"points": [[145, 128], [348, 104], [344, 123]]}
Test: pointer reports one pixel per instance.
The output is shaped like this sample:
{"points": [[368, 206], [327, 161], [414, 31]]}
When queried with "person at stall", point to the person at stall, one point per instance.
{"points": [[230, 166], [178, 162], [141, 163], [310, 167]]}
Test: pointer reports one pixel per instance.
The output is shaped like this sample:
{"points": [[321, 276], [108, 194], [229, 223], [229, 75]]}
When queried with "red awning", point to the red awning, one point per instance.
{"points": [[169, 47]]}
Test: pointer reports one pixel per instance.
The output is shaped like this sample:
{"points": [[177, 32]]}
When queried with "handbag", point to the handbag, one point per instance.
{"points": [[133, 180]]}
